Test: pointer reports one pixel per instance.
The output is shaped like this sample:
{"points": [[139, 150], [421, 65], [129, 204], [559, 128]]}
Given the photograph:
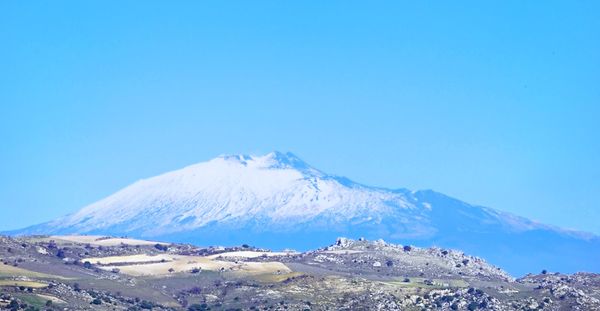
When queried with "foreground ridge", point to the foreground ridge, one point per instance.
{"points": [[107, 273]]}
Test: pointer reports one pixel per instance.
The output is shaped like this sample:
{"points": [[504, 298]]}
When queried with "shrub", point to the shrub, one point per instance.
{"points": [[146, 305], [161, 247], [198, 307], [14, 305], [87, 265], [407, 248], [60, 254], [97, 301]]}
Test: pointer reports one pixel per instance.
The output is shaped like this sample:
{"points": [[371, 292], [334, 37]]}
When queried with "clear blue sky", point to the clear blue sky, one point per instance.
{"points": [[495, 102]]}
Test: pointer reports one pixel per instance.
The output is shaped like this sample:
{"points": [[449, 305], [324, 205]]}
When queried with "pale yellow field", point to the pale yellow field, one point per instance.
{"points": [[180, 264], [140, 265], [6, 270], [263, 267], [270, 278], [23, 283], [132, 259], [52, 298], [98, 240], [249, 254]]}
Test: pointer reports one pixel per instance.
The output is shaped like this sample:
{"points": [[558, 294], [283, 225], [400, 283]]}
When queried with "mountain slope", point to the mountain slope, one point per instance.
{"points": [[277, 200]]}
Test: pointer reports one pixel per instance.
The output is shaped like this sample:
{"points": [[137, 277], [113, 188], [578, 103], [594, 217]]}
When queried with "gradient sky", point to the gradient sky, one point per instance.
{"points": [[496, 103]]}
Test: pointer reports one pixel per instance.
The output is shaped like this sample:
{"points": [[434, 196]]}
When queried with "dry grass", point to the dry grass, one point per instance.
{"points": [[176, 263], [131, 259], [276, 278], [420, 283], [263, 268], [52, 298], [15, 283], [10, 271], [249, 254]]}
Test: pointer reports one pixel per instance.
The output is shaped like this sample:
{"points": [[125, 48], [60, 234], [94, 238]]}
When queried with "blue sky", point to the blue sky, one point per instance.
{"points": [[495, 103]]}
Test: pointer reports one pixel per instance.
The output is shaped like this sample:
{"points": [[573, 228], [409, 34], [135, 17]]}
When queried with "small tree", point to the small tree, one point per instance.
{"points": [[14, 305]]}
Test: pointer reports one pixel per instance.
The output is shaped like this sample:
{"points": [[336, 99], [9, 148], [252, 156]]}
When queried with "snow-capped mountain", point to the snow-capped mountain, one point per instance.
{"points": [[277, 200]]}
